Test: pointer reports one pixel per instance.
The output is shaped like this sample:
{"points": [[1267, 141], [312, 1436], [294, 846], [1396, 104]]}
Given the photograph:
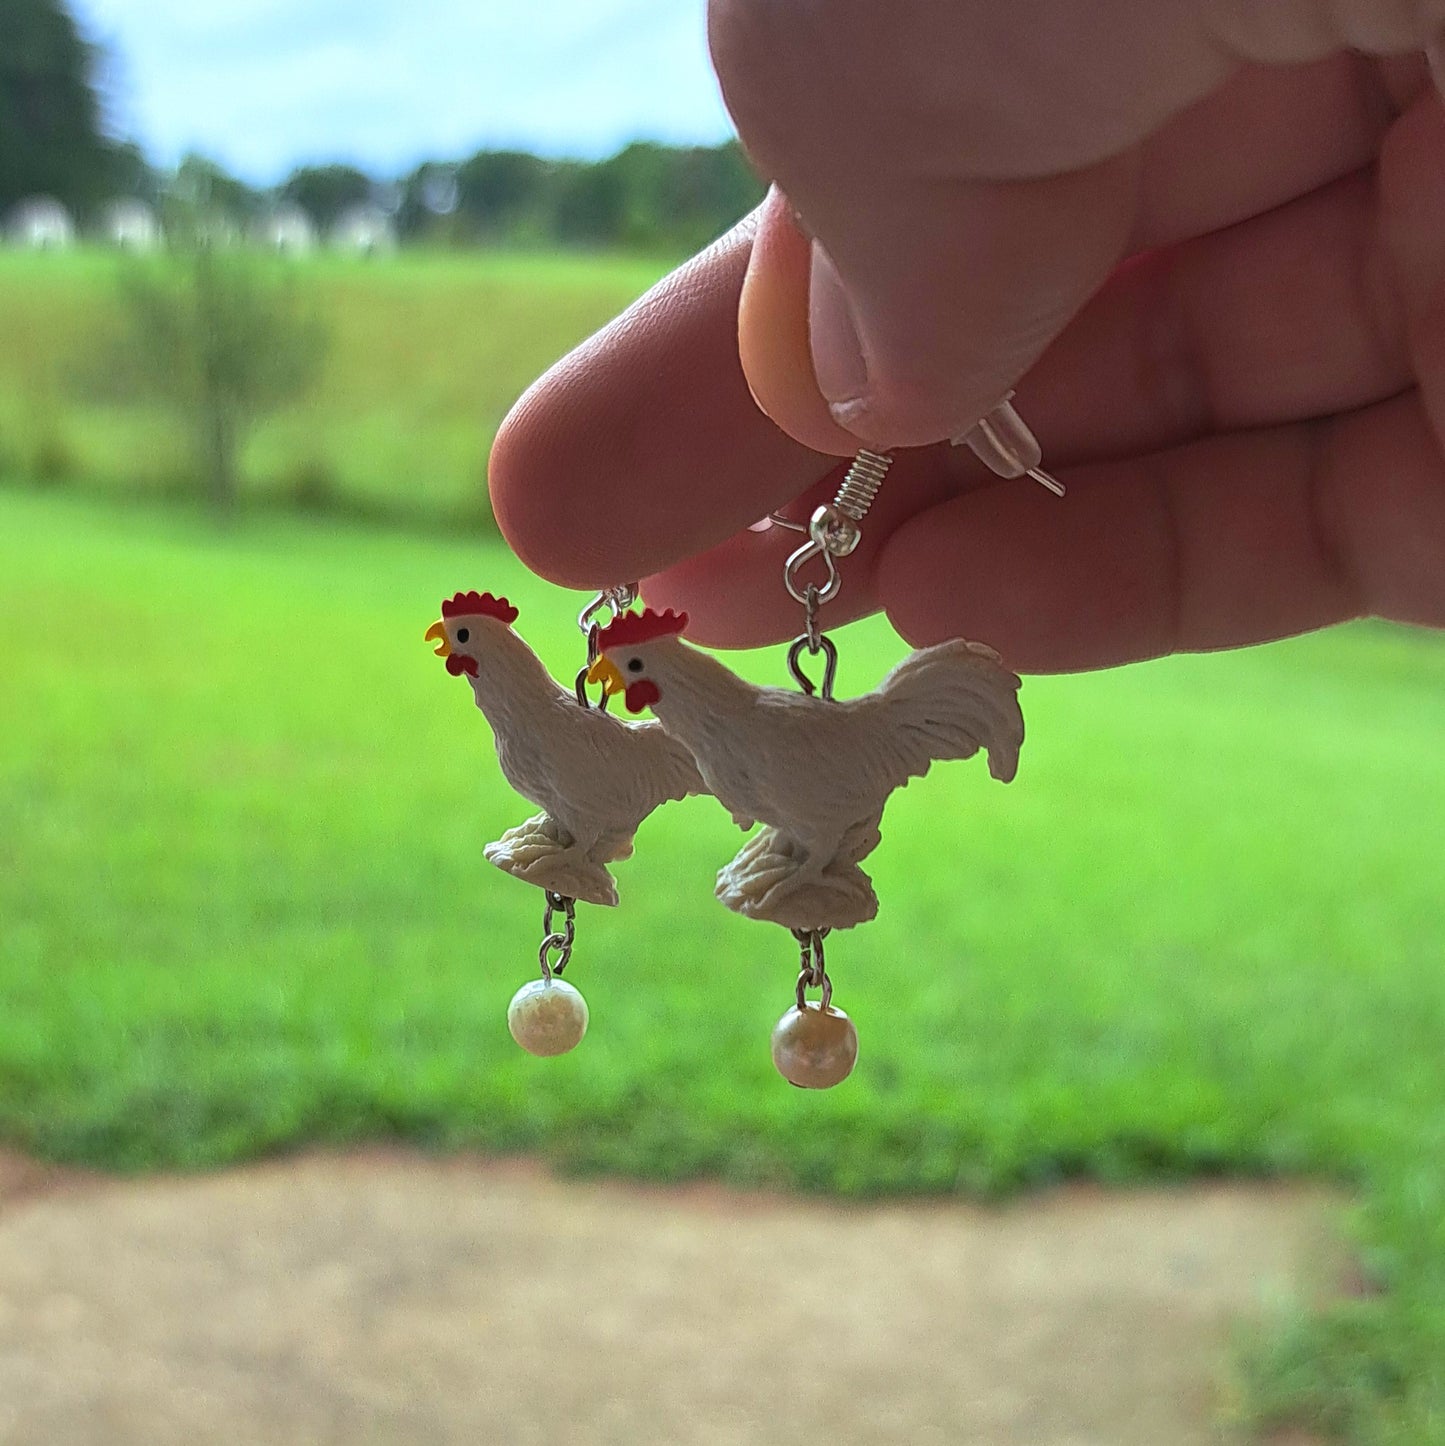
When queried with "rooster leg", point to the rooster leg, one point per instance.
{"points": [[611, 845], [543, 853], [857, 844], [585, 840], [812, 884], [763, 844], [605, 845]]}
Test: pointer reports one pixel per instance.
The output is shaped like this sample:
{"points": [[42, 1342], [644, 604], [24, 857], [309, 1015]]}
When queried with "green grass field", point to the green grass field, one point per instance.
{"points": [[243, 907], [427, 353]]}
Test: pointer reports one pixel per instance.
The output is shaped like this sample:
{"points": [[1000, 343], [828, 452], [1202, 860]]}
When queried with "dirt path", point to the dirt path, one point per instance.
{"points": [[386, 1299]]}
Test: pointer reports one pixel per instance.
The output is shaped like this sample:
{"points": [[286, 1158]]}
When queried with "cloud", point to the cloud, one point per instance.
{"points": [[265, 84]]}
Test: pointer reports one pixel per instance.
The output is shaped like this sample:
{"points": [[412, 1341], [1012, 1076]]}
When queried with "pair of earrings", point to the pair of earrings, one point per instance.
{"points": [[816, 772]]}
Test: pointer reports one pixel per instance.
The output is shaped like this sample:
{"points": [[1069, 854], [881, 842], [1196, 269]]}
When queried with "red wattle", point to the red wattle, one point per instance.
{"points": [[641, 695], [459, 663]]}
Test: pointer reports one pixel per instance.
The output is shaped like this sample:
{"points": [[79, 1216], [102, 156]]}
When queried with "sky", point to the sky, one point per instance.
{"points": [[264, 85]]}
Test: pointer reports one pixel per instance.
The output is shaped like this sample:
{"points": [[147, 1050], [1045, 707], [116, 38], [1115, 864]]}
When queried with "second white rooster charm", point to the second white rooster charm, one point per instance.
{"points": [[814, 771], [594, 776]]}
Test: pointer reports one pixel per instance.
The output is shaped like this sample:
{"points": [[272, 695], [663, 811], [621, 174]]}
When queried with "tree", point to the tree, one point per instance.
{"points": [[324, 192], [679, 199], [650, 197], [133, 175], [711, 189], [51, 135], [506, 195], [428, 202], [204, 197], [592, 203], [220, 337]]}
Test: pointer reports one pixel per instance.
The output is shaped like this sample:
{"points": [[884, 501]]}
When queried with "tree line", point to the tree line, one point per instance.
{"points": [[54, 141], [647, 197]]}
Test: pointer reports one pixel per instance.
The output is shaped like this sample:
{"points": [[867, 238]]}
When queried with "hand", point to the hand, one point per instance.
{"points": [[1204, 238]]}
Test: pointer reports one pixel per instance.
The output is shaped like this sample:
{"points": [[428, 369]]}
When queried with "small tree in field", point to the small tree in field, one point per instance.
{"points": [[222, 338]]}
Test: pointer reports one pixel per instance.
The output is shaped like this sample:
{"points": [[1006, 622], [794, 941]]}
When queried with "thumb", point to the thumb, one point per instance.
{"points": [[966, 291], [924, 310], [969, 173]]}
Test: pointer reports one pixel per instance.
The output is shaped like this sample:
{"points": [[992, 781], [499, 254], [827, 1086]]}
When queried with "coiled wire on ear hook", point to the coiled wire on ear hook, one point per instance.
{"points": [[859, 486], [1001, 440]]}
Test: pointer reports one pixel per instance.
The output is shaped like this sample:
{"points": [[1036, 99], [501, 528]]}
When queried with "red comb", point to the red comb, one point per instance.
{"points": [[481, 604], [640, 627]]}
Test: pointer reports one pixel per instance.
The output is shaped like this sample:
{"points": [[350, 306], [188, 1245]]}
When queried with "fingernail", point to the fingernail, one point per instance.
{"points": [[838, 364]]}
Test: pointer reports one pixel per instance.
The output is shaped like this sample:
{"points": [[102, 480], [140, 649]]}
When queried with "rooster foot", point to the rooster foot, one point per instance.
{"points": [[539, 852], [768, 880]]}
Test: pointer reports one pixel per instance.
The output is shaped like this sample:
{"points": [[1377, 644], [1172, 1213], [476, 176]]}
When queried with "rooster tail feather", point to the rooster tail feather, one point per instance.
{"points": [[948, 701]]}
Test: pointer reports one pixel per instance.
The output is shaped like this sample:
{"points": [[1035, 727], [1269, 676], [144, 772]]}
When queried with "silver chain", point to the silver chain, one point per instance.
{"points": [[560, 940], [814, 641], [812, 968]]}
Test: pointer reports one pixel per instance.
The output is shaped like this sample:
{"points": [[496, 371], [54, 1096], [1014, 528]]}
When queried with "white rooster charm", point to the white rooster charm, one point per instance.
{"points": [[817, 773], [594, 776]]}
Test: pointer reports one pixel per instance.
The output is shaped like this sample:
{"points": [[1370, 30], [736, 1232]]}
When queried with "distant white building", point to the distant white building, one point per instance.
{"points": [[132, 225], [364, 230], [41, 223], [288, 230]]}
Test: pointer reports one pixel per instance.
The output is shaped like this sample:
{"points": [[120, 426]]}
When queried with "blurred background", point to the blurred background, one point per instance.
{"points": [[490, 166], [271, 276]]}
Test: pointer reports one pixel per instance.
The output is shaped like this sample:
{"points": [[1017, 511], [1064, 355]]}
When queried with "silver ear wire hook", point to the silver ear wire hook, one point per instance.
{"points": [[834, 530], [1001, 440], [617, 600]]}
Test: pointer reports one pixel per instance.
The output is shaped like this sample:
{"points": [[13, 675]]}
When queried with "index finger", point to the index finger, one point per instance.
{"points": [[644, 445]]}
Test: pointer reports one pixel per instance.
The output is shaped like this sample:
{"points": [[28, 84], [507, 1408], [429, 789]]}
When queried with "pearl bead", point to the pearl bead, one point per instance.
{"points": [[547, 1017], [815, 1048]]}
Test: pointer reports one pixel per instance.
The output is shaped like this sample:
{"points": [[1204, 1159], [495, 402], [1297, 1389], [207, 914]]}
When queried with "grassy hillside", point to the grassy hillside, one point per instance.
{"points": [[427, 353], [243, 908]]}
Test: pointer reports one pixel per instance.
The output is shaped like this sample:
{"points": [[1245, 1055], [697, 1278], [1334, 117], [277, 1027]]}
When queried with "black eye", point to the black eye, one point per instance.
{"points": [[634, 665], [463, 634]]}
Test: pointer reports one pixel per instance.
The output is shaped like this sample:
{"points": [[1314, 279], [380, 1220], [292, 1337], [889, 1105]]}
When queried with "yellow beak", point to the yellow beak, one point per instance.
{"points": [[439, 630], [604, 671]]}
